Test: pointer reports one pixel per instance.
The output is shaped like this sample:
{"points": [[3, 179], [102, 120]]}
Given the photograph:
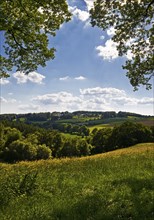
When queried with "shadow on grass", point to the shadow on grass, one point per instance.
{"points": [[135, 204]]}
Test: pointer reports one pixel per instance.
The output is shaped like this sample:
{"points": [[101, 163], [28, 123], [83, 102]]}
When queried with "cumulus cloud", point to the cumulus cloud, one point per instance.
{"points": [[108, 51], [78, 13], [33, 77], [4, 81], [113, 97], [56, 98], [97, 98]]}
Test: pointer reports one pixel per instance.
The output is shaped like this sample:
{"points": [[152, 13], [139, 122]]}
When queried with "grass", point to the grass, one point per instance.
{"points": [[101, 126], [67, 135], [115, 185]]}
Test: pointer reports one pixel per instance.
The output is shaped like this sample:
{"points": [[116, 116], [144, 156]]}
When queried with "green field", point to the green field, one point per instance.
{"points": [[111, 122], [114, 185]]}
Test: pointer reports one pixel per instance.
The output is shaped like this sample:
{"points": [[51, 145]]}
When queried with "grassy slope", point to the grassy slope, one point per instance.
{"points": [[114, 185], [111, 122]]}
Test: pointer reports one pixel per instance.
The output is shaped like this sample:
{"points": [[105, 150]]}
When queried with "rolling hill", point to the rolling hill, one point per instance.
{"points": [[113, 185]]}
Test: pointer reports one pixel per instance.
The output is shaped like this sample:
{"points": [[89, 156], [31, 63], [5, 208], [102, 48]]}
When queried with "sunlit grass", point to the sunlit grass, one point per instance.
{"points": [[114, 185]]}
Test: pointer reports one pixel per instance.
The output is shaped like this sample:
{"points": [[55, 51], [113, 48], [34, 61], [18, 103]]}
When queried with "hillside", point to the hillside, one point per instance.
{"points": [[59, 120], [113, 185]]}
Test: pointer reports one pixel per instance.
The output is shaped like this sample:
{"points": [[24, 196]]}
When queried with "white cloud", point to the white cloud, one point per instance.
{"points": [[108, 92], [102, 37], [28, 107], [78, 13], [124, 101], [4, 81], [61, 101], [129, 55], [109, 51], [8, 101], [111, 31], [32, 77], [146, 101], [113, 97], [89, 3], [56, 98], [64, 78], [80, 78], [3, 100], [97, 98]]}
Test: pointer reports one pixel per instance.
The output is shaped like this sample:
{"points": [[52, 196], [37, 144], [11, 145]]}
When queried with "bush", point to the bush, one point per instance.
{"points": [[43, 152], [19, 150]]}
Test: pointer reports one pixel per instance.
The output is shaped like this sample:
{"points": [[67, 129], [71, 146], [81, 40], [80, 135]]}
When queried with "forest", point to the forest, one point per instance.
{"points": [[24, 138]]}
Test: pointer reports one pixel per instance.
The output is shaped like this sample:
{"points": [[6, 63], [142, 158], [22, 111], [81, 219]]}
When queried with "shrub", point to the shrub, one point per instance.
{"points": [[43, 152]]}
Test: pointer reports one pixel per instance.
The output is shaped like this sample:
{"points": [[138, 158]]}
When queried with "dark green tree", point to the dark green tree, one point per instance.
{"points": [[26, 25], [100, 140], [128, 134], [19, 150], [134, 33]]}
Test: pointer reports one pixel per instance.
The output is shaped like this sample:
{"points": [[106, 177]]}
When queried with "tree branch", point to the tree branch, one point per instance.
{"points": [[14, 38], [149, 5]]}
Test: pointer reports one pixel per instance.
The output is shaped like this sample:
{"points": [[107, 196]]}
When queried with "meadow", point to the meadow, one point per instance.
{"points": [[113, 185]]}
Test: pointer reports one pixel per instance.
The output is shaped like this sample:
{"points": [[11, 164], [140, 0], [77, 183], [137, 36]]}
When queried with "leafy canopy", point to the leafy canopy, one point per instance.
{"points": [[26, 25], [134, 33]]}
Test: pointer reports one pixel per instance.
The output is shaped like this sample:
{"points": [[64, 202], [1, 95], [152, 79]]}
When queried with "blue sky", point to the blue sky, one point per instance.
{"points": [[86, 74]]}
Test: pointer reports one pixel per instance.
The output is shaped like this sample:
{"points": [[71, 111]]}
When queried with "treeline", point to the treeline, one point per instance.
{"points": [[27, 142], [72, 129], [48, 116]]}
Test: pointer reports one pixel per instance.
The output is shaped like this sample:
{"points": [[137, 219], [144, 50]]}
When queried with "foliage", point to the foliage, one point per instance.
{"points": [[117, 185], [19, 150], [25, 142], [26, 25], [43, 152], [134, 29], [129, 134], [100, 140], [74, 147]]}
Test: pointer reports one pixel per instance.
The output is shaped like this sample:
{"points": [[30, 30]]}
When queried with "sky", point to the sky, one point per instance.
{"points": [[86, 74]]}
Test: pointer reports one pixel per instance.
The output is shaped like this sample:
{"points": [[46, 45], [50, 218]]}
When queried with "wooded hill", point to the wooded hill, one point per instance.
{"points": [[88, 118], [28, 141]]}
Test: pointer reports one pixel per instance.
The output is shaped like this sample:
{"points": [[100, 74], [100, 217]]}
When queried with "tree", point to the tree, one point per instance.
{"points": [[128, 134], [19, 150], [132, 21], [43, 152], [26, 25], [100, 140], [11, 134]]}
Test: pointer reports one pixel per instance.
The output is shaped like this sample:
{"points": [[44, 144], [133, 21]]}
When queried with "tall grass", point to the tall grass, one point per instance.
{"points": [[114, 185]]}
